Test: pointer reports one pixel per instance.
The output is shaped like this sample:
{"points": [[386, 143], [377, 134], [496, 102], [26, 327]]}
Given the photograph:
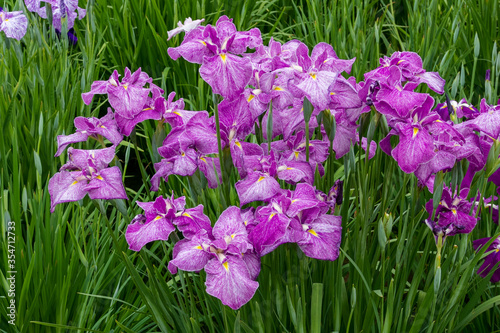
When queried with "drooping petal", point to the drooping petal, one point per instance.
{"points": [[256, 186], [192, 221], [269, 233], [66, 187], [230, 281], [227, 74], [139, 234], [14, 24], [108, 185], [415, 147], [322, 238], [64, 140], [231, 228], [189, 255]]}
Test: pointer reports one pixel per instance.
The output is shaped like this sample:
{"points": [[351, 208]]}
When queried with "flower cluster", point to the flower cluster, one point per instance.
{"points": [[230, 252], [62, 11], [305, 106]]}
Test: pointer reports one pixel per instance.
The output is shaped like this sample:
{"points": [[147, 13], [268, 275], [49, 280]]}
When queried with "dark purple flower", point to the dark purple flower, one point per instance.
{"points": [[452, 215], [491, 259], [61, 10]]}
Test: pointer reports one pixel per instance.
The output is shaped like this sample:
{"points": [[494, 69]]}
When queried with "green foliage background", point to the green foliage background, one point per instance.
{"points": [[74, 269]]}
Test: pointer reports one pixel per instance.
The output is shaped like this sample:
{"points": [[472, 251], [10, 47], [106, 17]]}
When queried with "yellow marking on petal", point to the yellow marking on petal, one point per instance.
{"points": [[296, 154], [198, 247], [237, 143], [312, 232], [147, 109], [223, 57], [226, 266], [246, 222], [250, 98], [294, 200], [125, 86], [444, 106], [74, 183], [157, 218], [233, 235], [454, 211], [99, 177], [332, 93], [415, 131], [400, 61], [203, 42], [313, 75], [183, 154], [102, 126], [438, 121], [272, 215], [277, 88], [177, 113], [187, 215], [497, 250], [289, 168], [260, 178], [302, 110], [203, 159]]}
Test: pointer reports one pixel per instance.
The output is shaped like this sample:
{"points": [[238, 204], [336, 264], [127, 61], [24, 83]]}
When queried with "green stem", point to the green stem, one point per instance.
{"points": [[307, 141]]}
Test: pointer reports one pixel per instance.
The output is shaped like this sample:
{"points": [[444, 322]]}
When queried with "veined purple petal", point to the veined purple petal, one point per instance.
{"points": [[256, 186], [432, 79], [64, 140], [210, 167], [322, 238], [232, 230], [192, 221], [139, 234], [97, 88], [415, 147], [268, 234], [190, 255], [127, 100], [108, 185], [66, 186], [227, 74], [316, 86], [14, 24], [230, 281], [163, 170], [252, 260]]}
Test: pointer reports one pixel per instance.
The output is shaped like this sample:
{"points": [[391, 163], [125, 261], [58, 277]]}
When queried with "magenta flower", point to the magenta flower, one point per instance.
{"points": [[61, 10], [227, 258], [452, 214], [13, 24], [160, 217], [217, 49], [491, 259], [86, 172], [91, 127], [127, 97]]}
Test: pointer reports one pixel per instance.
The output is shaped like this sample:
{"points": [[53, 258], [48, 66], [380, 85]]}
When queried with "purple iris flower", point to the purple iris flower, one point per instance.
{"points": [[488, 120], [61, 10], [217, 49], [127, 97], [227, 257], [460, 109], [411, 67], [91, 127], [452, 214], [159, 219], [491, 259], [86, 172], [152, 109], [13, 24]]}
